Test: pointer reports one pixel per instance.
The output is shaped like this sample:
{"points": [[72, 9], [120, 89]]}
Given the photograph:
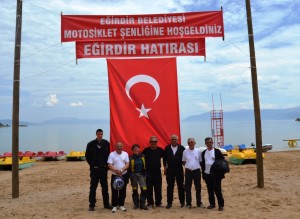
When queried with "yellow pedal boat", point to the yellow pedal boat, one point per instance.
{"points": [[76, 156], [243, 156], [25, 162]]}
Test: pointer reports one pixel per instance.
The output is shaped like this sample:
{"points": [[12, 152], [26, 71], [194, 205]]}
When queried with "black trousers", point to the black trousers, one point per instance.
{"points": [[172, 175], [154, 182], [214, 186], [118, 196], [191, 176], [98, 175]]}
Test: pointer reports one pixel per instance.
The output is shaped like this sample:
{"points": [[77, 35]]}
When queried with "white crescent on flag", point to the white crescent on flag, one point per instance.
{"points": [[146, 79], [142, 78]]}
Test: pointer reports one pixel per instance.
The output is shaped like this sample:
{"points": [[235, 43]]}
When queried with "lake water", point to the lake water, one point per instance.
{"points": [[75, 137]]}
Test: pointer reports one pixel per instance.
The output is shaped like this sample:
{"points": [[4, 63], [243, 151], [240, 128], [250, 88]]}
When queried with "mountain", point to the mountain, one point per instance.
{"points": [[68, 120], [266, 114], [9, 122]]}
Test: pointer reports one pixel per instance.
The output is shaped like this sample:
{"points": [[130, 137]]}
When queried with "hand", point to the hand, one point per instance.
{"points": [[119, 172]]}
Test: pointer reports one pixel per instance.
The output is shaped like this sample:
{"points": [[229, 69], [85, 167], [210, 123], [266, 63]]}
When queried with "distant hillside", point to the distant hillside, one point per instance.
{"points": [[8, 122], [57, 121], [73, 121], [266, 114]]}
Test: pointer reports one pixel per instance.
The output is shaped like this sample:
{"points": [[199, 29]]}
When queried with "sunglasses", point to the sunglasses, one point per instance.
{"points": [[153, 141]]}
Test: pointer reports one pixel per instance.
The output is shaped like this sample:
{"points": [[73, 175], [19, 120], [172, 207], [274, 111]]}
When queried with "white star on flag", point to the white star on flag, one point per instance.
{"points": [[143, 111]]}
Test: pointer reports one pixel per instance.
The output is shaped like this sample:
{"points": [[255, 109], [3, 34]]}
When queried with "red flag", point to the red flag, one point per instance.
{"points": [[143, 98]]}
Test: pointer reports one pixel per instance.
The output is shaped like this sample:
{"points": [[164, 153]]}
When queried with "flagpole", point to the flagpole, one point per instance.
{"points": [[16, 94], [258, 131]]}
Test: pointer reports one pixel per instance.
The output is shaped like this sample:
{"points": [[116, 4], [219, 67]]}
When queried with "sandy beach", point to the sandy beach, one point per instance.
{"points": [[59, 189]]}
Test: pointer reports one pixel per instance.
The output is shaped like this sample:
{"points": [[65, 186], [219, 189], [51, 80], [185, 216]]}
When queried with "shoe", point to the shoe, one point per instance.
{"points": [[188, 206], [122, 208], [221, 209], [150, 206], [108, 207], [211, 207], [135, 207], [160, 206], [182, 205], [114, 209], [144, 207], [169, 206], [200, 206], [91, 209]]}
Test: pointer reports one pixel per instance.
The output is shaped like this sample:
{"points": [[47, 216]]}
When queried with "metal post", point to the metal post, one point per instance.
{"points": [[258, 131], [16, 94]]}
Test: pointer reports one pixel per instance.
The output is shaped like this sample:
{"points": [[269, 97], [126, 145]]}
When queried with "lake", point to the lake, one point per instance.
{"points": [[75, 137]]}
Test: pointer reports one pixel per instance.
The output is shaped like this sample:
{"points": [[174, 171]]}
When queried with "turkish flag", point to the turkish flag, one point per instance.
{"points": [[143, 97]]}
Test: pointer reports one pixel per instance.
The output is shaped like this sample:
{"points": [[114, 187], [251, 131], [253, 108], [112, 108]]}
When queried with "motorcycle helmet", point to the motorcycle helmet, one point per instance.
{"points": [[118, 183]]}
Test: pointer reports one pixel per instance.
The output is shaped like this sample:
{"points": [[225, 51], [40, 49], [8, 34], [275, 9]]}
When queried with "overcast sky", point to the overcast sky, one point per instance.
{"points": [[52, 85]]}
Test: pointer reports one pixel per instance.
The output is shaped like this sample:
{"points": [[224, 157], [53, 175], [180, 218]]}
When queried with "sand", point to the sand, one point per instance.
{"points": [[59, 189]]}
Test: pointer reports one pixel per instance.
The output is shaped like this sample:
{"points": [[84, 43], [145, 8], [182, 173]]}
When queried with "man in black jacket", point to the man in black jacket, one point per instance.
{"points": [[153, 155], [212, 177], [174, 170], [97, 152]]}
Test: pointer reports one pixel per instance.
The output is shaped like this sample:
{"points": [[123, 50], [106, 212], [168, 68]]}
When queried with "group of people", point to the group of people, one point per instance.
{"points": [[143, 169]]}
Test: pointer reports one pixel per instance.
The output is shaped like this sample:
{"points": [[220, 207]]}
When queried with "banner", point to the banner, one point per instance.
{"points": [[143, 98], [150, 26], [137, 48]]}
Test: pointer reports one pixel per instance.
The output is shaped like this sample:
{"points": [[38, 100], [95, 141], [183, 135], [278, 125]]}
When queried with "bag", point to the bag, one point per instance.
{"points": [[221, 166]]}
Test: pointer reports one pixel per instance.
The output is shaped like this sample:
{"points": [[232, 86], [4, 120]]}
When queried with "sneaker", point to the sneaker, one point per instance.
{"points": [[114, 209], [188, 206], [221, 208], [91, 209], [122, 208], [182, 205]]}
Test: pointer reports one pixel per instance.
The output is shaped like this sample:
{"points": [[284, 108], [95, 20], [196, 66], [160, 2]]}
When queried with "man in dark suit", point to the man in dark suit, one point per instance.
{"points": [[97, 152], [212, 177], [174, 170]]}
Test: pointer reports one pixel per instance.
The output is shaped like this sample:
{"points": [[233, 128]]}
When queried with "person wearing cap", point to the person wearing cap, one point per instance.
{"points": [[96, 155], [191, 160], [137, 177], [118, 163]]}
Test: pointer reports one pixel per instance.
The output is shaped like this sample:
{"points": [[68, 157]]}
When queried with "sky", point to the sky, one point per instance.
{"points": [[53, 85]]}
